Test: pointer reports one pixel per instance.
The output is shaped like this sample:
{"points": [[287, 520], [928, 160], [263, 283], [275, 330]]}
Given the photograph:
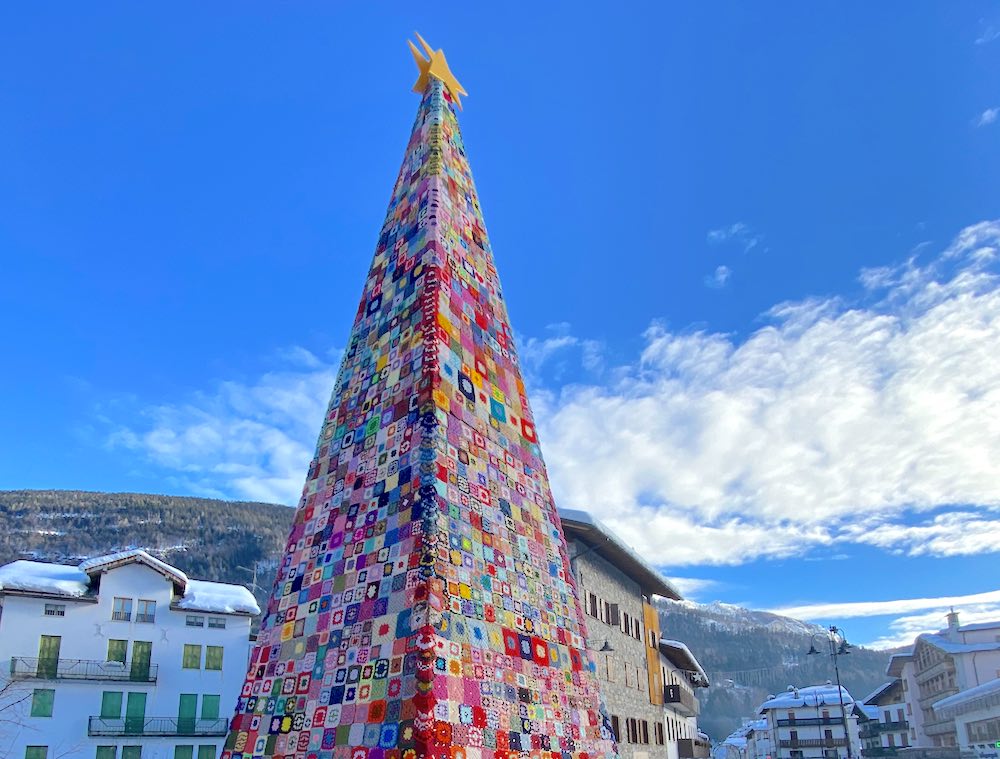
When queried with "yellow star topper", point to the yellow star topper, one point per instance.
{"points": [[434, 65]]}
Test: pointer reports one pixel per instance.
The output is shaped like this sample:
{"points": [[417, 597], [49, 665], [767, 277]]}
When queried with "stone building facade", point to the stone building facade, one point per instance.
{"points": [[648, 682]]}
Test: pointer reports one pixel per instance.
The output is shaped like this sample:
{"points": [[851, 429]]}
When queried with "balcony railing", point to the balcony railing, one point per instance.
{"points": [[29, 668], [879, 751], [941, 727], [121, 616], [157, 726], [812, 743], [148, 618], [692, 748], [686, 703], [874, 727], [806, 721]]}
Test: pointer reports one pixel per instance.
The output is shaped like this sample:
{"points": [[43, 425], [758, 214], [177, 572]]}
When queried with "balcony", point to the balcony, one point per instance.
{"points": [[945, 666], [927, 699], [29, 668], [121, 616], [157, 726], [812, 743], [807, 721], [941, 727], [879, 751], [873, 727], [693, 748], [145, 618], [681, 700]]}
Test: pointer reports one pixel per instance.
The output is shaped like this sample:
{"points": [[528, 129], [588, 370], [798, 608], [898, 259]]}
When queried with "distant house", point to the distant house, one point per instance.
{"points": [[121, 657], [648, 680], [888, 730], [807, 723]]}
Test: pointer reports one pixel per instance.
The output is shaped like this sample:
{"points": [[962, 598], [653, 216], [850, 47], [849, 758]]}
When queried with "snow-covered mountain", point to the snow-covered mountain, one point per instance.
{"points": [[736, 618]]}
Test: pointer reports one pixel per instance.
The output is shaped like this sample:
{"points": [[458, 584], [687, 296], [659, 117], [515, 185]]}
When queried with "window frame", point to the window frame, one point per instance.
{"points": [[38, 705], [212, 651], [194, 620], [124, 649], [121, 609], [54, 610], [217, 623], [142, 613]]}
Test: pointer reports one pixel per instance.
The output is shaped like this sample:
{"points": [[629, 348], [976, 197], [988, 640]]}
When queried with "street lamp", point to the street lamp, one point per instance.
{"points": [[838, 645]]}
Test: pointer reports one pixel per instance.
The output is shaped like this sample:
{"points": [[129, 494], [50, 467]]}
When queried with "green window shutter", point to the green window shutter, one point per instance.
{"points": [[41, 702], [111, 705], [36, 752], [117, 650], [183, 752], [192, 656], [209, 707], [131, 752], [187, 713], [213, 657], [106, 752], [207, 752]]}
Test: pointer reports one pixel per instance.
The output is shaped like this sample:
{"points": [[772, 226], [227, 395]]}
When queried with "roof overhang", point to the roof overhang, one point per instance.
{"points": [[582, 527], [682, 658]]}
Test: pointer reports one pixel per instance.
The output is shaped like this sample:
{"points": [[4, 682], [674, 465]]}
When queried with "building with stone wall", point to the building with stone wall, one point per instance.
{"points": [[648, 681]]}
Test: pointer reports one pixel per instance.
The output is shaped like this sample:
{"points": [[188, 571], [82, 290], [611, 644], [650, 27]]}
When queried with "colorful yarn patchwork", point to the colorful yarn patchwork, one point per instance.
{"points": [[425, 605]]}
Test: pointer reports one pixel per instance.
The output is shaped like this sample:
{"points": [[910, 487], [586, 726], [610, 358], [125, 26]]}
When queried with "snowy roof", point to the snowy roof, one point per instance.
{"points": [[74, 582], [218, 597], [880, 691], [813, 695], [871, 712], [131, 556], [953, 705], [896, 662], [40, 577], [682, 658], [951, 647], [980, 626], [617, 552]]}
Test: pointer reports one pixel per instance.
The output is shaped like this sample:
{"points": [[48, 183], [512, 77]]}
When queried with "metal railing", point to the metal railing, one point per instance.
{"points": [[693, 748], [31, 668], [157, 726], [806, 721], [812, 743], [148, 618], [121, 616], [880, 751]]}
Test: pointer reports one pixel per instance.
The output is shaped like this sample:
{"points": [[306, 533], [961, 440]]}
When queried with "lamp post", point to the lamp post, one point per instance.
{"points": [[838, 645]]}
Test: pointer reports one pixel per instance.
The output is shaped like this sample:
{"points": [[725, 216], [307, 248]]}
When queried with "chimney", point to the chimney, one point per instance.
{"points": [[953, 625]]}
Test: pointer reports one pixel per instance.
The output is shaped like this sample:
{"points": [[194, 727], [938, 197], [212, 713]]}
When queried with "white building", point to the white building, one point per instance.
{"points": [[887, 730], [758, 740], [807, 723], [942, 665], [976, 713], [121, 657]]}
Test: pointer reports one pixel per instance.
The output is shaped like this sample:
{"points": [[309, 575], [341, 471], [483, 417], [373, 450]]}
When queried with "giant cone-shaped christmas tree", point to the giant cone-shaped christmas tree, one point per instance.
{"points": [[425, 606]]}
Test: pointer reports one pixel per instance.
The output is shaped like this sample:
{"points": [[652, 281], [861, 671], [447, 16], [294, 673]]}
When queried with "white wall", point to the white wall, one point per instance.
{"points": [[85, 631]]}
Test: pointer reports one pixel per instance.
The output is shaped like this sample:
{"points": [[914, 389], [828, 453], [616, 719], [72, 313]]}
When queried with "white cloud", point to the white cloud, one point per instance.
{"points": [[987, 117], [710, 450], [739, 233], [856, 609], [718, 279], [251, 441], [989, 34], [692, 587], [904, 630], [835, 423]]}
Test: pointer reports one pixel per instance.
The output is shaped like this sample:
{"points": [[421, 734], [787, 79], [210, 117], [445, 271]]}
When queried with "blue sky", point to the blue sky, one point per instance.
{"points": [[751, 255]]}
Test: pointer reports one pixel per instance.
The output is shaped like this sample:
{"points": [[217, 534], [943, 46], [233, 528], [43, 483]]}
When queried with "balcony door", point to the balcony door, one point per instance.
{"points": [[142, 653], [187, 713], [48, 655], [135, 713]]}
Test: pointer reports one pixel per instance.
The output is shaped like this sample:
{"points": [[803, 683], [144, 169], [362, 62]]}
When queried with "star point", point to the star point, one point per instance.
{"points": [[434, 65]]}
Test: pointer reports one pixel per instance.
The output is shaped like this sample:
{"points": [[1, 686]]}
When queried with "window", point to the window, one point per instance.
{"points": [[207, 752], [193, 620], [616, 727], [218, 623], [652, 638], [213, 657], [36, 752], [55, 610], [106, 752], [122, 609], [592, 611], [183, 752], [117, 650], [658, 732], [111, 705], [645, 731], [192, 656], [146, 611], [131, 752], [41, 702]]}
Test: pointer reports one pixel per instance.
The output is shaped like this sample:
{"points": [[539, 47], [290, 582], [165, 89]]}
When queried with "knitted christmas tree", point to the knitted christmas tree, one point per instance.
{"points": [[425, 606]]}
